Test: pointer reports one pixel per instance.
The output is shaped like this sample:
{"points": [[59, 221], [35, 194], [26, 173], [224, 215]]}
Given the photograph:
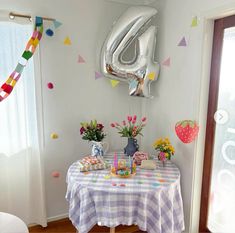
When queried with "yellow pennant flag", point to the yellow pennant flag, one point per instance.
{"points": [[67, 41], [114, 83], [151, 76], [194, 22]]}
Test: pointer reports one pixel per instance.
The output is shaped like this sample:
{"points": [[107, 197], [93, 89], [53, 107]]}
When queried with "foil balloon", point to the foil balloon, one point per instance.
{"points": [[140, 71]]}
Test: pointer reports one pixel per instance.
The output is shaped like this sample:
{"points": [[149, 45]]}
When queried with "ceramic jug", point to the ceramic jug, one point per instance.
{"points": [[99, 148]]}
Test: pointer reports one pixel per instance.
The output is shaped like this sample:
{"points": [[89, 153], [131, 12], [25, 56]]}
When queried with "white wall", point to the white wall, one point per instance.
{"points": [[77, 96], [182, 90]]}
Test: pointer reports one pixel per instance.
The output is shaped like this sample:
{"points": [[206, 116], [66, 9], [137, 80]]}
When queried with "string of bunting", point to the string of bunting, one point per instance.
{"points": [[31, 46]]}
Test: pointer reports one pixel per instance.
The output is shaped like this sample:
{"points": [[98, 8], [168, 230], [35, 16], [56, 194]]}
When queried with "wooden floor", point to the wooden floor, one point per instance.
{"points": [[65, 226]]}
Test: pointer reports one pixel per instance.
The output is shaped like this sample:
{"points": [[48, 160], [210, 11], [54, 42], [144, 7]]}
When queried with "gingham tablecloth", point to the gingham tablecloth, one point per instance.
{"points": [[151, 199]]}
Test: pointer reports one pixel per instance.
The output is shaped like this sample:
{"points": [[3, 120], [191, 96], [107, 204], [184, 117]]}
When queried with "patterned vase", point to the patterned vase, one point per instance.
{"points": [[131, 147], [98, 148]]}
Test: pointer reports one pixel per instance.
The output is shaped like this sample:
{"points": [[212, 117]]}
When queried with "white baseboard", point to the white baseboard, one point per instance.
{"points": [[57, 217], [51, 219]]}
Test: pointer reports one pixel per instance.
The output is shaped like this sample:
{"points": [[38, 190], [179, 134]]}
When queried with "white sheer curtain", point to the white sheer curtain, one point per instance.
{"points": [[21, 172]]}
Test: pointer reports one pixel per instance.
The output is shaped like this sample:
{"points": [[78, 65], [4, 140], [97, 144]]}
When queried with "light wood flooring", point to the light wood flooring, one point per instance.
{"points": [[65, 226]]}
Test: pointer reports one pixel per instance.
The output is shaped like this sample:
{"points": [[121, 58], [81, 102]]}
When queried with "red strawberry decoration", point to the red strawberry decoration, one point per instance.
{"points": [[186, 130]]}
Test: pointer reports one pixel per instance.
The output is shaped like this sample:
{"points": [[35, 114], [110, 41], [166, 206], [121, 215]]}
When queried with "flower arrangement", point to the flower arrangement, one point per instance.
{"points": [[92, 131], [165, 148], [130, 128]]}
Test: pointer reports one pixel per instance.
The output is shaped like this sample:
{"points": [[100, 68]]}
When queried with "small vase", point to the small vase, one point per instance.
{"points": [[98, 148], [131, 147], [162, 161]]}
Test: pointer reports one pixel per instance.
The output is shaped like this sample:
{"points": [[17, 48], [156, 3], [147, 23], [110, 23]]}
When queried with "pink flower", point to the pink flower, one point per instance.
{"points": [[112, 125], [129, 118], [134, 117], [162, 156], [133, 121], [143, 119], [134, 133], [124, 123]]}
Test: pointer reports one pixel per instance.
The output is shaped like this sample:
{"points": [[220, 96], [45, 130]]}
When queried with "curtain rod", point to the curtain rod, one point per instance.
{"points": [[12, 15]]}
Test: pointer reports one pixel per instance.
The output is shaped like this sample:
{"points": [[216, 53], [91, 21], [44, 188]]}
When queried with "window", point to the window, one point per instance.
{"points": [[21, 173], [18, 109]]}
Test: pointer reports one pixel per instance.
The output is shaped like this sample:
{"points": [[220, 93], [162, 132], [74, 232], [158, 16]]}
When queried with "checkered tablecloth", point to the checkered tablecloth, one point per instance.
{"points": [[151, 199]]}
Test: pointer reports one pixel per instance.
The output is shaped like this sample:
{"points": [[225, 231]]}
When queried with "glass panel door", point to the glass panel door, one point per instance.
{"points": [[222, 190]]}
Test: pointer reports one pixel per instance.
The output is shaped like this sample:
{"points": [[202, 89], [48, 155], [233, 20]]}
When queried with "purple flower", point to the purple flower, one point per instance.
{"points": [[100, 126], [82, 130]]}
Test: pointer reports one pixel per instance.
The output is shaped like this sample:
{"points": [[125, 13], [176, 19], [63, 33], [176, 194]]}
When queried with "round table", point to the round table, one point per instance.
{"points": [[151, 199], [11, 224]]}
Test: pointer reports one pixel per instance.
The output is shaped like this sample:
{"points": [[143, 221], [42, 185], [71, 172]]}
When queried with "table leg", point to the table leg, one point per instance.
{"points": [[112, 229]]}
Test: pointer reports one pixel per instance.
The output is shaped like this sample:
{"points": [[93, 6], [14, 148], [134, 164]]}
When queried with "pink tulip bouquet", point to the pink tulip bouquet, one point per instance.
{"points": [[130, 128]]}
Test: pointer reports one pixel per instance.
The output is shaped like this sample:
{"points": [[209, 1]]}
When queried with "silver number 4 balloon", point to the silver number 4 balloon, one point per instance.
{"points": [[133, 25]]}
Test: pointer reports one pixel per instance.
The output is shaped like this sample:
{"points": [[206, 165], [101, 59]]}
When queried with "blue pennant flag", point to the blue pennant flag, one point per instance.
{"points": [[57, 23]]}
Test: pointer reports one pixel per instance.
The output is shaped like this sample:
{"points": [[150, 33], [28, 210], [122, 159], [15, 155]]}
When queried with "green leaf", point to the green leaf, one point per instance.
{"points": [[192, 124], [184, 123], [95, 123]]}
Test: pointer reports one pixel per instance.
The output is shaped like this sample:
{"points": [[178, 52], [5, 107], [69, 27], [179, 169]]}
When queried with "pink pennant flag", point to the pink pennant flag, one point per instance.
{"points": [[183, 42], [98, 75], [81, 59], [167, 62]]}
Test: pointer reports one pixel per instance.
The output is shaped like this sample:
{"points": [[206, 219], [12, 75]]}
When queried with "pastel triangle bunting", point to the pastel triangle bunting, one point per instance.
{"points": [[133, 84], [194, 22], [57, 23], [98, 75], [167, 62], [67, 41], [114, 83], [151, 76], [81, 59], [183, 42]]}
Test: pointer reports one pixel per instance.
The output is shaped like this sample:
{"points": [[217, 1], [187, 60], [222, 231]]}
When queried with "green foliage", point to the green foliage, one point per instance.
{"points": [[130, 128], [130, 131], [92, 131]]}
